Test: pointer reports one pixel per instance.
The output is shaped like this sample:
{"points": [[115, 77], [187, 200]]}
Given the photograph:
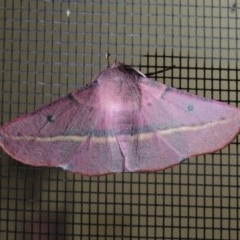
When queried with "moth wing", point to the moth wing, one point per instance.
{"points": [[173, 125], [73, 133]]}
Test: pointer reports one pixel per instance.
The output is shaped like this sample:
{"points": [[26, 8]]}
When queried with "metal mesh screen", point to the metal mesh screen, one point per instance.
{"points": [[48, 49]]}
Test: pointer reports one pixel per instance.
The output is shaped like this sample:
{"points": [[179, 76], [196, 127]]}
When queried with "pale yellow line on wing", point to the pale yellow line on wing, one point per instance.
{"points": [[170, 131], [143, 135]]}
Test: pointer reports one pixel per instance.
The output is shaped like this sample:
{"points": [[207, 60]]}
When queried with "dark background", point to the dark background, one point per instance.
{"points": [[48, 49]]}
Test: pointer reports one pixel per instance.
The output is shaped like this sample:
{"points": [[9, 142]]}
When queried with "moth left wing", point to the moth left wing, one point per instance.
{"points": [[73, 133]]}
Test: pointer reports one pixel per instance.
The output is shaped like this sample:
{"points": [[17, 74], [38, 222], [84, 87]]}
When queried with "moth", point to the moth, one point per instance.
{"points": [[121, 122]]}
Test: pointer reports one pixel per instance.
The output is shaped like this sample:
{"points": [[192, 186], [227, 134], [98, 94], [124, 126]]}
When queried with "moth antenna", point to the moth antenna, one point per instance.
{"points": [[160, 71]]}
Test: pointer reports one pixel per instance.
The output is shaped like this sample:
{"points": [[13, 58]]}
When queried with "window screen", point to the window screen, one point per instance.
{"points": [[50, 48]]}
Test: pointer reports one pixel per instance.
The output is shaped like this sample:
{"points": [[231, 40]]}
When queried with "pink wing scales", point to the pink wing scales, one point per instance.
{"points": [[72, 133], [174, 125], [122, 122]]}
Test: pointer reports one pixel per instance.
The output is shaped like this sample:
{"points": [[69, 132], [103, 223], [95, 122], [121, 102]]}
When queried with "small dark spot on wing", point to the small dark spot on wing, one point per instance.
{"points": [[95, 82], [168, 89], [190, 108], [149, 104], [91, 109], [72, 98], [50, 118]]}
